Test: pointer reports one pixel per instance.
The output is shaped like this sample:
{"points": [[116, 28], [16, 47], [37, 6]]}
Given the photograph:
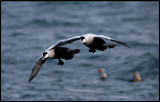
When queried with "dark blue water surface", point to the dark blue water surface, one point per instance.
{"points": [[29, 28]]}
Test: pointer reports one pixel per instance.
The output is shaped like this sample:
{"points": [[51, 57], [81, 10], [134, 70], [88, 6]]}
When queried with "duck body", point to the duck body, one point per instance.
{"points": [[96, 42], [137, 77], [103, 74]]}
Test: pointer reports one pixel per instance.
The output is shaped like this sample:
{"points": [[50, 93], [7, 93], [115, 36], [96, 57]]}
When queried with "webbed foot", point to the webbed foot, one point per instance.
{"points": [[60, 62], [92, 50]]}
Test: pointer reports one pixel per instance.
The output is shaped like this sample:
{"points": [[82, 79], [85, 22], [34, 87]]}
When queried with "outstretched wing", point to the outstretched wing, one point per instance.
{"points": [[37, 67], [106, 37], [65, 41]]}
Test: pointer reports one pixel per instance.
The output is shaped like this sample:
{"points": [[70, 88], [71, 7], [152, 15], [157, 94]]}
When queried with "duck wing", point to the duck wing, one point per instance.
{"points": [[106, 37], [37, 67], [64, 42]]}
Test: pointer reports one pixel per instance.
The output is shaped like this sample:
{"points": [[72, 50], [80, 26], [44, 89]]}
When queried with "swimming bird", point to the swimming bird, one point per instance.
{"points": [[96, 42], [55, 52], [103, 73], [137, 77]]}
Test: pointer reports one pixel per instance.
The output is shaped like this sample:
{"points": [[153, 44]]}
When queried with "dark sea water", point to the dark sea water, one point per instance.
{"points": [[29, 28]]}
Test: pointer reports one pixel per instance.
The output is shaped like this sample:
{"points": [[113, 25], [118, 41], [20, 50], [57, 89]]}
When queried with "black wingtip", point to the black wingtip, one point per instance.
{"points": [[126, 45], [122, 43], [29, 80]]}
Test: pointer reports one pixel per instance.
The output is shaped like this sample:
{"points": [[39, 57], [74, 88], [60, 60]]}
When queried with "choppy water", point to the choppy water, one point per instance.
{"points": [[29, 28]]}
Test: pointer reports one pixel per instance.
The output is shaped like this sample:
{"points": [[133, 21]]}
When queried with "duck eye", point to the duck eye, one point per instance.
{"points": [[44, 53], [82, 37]]}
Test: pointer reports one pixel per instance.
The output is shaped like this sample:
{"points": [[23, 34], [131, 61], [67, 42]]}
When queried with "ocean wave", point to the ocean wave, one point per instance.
{"points": [[133, 19], [17, 34], [147, 64], [46, 23], [142, 44], [42, 23]]}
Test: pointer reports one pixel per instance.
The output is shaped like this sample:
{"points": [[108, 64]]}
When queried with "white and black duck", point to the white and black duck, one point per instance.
{"points": [[55, 52], [96, 42]]}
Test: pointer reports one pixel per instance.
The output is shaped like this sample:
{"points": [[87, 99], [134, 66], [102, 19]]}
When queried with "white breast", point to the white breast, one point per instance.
{"points": [[88, 39], [51, 53]]}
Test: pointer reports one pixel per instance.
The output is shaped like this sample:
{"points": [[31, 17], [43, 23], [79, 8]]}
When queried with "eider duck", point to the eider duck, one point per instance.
{"points": [[96, 42], [102, 73], [55, 52], [137, 77]]}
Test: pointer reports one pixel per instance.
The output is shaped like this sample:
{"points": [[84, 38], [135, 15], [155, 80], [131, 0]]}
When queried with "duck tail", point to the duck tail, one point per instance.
{"points": [[111, 45], [75, 51]]}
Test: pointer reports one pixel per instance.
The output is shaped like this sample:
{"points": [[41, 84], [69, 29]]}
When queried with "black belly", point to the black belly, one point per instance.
{"points": [[63, 52], [98, 43]]}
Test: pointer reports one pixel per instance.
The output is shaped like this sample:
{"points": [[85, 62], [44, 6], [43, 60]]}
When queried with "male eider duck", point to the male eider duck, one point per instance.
{"points": [[96, 42], [55, 52]]}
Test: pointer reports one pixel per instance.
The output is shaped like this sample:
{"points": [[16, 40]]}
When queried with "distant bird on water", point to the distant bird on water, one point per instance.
{"points": [[55, 52], [102, 73], [136, 77]]}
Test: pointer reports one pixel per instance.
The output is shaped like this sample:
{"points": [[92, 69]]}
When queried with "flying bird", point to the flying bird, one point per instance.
{"points": [[55, 52], [96, 42]]}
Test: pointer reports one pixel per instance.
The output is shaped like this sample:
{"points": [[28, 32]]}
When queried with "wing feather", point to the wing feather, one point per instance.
{"points": [[36, 68], [65, 41], [106, 37]]}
